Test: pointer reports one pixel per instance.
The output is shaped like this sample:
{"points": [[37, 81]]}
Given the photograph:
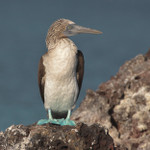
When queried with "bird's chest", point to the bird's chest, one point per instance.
{"points": [[60, 63], [60, 78]]}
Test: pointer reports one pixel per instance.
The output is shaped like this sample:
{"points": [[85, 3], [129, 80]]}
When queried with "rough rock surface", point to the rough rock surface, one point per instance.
{"points": [[54, 137], [122, 105]]}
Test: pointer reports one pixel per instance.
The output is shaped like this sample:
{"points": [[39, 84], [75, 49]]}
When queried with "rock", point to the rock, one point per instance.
{"points": [[122, 105], [54, 137]]}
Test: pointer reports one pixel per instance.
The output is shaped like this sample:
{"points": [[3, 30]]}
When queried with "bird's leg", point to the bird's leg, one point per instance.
{"points": [[49, 120], [68, 114], [50, 114], [61, 122], [67, 121]]}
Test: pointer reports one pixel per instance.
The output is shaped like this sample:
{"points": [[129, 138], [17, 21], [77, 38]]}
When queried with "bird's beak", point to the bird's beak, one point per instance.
{"points": [[80, 29], [74, 29]]}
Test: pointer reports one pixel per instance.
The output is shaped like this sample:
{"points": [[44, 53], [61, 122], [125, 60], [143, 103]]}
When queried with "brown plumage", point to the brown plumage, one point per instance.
{"points": [[41, 80], [55, 31], [80, 69]]}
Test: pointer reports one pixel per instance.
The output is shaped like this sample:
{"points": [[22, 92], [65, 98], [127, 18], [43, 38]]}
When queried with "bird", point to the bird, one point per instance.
{"points": [[60, 71]]}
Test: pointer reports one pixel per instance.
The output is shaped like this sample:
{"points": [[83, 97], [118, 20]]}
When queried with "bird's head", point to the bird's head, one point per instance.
{"points": [[63, 28]]}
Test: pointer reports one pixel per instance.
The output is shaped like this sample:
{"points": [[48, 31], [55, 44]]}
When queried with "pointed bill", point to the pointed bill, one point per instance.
{"points": [[80, 29], [73, 29]]}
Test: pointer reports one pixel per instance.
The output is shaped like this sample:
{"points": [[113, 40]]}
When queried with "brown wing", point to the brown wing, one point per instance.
{"points": [[41, 78], [80, 69]]}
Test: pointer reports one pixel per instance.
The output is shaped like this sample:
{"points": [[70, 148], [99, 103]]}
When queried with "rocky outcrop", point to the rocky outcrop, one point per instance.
{"points": [[54, 137], [122, 105]]}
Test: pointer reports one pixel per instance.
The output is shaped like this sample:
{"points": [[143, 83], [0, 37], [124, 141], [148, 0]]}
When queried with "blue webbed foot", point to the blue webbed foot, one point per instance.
{"points": [[67, 122], [42, 121], [61, 122], [45, 121], [50, 120]]}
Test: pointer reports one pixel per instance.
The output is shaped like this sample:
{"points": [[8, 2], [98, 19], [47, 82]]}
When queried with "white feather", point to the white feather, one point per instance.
{"points": [[61, 88]]}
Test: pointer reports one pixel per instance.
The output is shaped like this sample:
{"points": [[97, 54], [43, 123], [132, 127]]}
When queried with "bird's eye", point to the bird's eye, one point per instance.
{"points": [[69, 27]]}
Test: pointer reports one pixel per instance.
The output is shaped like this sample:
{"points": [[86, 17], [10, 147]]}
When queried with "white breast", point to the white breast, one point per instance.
{"points": [[61, 89]]}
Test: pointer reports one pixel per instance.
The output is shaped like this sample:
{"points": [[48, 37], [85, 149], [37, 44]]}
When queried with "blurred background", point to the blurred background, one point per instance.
{"points": [[23, 28]]}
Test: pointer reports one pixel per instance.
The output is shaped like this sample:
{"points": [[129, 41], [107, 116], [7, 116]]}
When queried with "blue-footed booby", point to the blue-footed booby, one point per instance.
{"points": [[61, 71]]}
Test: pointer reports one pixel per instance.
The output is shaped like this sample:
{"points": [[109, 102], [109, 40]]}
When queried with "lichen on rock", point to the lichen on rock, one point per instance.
{"points": [[50, 137]]}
